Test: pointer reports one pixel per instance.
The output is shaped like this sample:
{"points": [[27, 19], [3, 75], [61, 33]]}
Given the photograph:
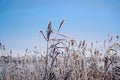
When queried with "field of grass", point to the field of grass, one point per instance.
{"points": [[64, 59]]}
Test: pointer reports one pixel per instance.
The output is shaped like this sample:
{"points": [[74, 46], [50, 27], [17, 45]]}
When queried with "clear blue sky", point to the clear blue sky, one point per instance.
{"points": [[21, 20]]}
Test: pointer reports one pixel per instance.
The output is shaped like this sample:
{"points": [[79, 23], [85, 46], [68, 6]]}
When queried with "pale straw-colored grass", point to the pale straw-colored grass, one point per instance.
{"points": [[64, 59]]}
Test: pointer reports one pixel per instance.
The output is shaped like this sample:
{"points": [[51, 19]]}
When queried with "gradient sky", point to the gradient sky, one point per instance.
{"points": [[21, 20]]}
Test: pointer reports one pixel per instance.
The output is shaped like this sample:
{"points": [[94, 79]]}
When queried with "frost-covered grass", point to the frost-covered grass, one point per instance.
{"points": [[65, 59]]}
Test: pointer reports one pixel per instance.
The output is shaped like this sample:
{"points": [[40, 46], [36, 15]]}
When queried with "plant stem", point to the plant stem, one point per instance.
{"points": [[46, 63]]}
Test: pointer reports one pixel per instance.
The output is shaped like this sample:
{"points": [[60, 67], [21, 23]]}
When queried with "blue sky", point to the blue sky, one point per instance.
{"points": [[21, 20]]}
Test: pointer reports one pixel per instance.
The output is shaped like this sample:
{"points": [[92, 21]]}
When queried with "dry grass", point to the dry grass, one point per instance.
{"points": [[64, 59]]}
